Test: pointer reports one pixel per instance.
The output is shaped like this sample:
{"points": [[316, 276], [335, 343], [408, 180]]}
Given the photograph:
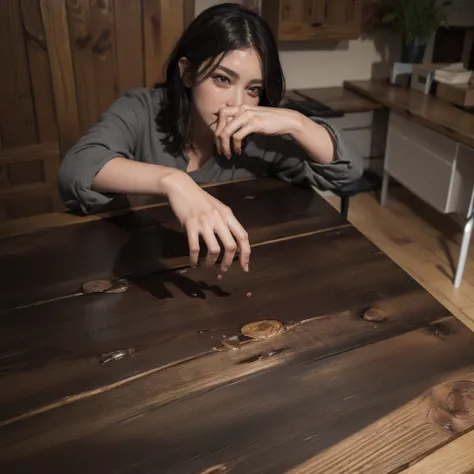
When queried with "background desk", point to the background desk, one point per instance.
{"points": [[429, 150]]}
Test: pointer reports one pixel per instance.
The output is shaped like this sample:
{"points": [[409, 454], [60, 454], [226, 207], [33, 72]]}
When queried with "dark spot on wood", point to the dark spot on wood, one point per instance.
{"points": [[375, 315], [263, 356], [440, 330], [81, 42], [102, 43]]}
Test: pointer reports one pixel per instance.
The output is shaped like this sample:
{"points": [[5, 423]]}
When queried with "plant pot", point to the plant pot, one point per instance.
{"points": [[413, 52]]}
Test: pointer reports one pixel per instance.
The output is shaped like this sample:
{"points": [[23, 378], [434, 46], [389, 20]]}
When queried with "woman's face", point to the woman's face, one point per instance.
{"points": [[236, 81]]}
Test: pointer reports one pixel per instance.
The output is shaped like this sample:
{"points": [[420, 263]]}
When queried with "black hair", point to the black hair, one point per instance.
{"points": [[214, 33]]}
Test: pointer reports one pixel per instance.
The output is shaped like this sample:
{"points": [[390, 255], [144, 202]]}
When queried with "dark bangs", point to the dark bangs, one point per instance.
{"points": [[216, 32]]}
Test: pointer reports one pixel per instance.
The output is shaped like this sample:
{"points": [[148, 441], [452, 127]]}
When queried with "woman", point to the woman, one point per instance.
{"points": [[216, 118]]}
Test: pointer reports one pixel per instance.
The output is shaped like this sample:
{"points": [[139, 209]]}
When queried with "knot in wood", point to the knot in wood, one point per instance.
{"points": [[97, 286], [451, 405], [263, 329], [375, 315], [105, 286]]}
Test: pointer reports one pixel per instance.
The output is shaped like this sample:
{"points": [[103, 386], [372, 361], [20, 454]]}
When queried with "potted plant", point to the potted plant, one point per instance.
{"points": [[416, 21]]}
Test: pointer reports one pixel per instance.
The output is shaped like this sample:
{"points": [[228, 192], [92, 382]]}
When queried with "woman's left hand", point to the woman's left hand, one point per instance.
{"points": [[238, 122]]}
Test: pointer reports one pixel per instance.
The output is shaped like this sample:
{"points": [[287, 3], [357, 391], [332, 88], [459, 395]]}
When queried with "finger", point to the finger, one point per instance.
{"points": [[224, 115], [229, 243], [213, 248], [238, 136], [242, 241], [193, 242], [232, 127]]}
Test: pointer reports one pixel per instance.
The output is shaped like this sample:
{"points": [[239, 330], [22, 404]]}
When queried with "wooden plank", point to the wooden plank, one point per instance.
{"points": [[50, 352], [102, 29], [128, 44], [40, 71], [34, 200], [148, 240], [457, 457], [163, 24], [429, 111], [364, 410], [64, 84], [21, 154], [84, 71], [189, 10], [17, 114]]}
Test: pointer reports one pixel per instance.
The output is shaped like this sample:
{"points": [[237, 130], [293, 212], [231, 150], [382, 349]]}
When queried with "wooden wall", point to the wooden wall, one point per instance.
{"points": [[63, 62]]}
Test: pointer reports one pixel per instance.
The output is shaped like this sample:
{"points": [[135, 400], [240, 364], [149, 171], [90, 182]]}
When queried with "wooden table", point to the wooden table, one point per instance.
{"points": [[157, 376]]}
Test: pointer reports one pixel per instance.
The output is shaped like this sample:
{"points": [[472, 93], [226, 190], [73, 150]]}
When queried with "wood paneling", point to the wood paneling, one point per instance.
{"points": [[162, 25], [63, 63], [128, 44], [40, 72]]}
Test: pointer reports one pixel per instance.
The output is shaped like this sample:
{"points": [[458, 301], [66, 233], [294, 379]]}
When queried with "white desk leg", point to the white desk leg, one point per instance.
{"points": [[466, 238], [384, 190]]}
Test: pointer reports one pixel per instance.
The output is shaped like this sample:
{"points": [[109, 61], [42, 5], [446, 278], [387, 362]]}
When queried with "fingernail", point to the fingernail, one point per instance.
{"points": [[246, 268], [239, 151]]}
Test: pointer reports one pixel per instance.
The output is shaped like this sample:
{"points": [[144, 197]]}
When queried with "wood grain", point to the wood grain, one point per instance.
{"points": [[17, 114], [84, 71], [429, 111], [40, 71], [56, 28], [339, 99], [162, 26], [174, 316], [148, 240], [268, 415], [457, 457], [128, 44]]}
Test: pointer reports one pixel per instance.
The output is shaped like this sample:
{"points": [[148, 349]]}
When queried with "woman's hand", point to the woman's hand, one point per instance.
{"points": [[238, 122], [201, 214]]}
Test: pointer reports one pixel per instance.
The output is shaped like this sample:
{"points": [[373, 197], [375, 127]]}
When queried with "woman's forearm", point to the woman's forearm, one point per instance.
{"points": [[124, 176], [316, 141]]}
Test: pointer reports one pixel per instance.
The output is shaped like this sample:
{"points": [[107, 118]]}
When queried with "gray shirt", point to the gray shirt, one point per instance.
{"points": [[128, 129]]}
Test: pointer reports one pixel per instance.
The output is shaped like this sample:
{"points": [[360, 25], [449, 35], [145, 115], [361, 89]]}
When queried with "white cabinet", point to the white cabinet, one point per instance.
{"points": [[431, 165]]}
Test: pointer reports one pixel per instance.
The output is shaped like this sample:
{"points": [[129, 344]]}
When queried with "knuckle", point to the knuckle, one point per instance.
{"points": [[231, 247], [214, 251], [227, 211], [244, 236]]}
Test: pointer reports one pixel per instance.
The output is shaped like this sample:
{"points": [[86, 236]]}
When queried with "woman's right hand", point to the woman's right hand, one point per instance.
{"points": [[202, 214]]}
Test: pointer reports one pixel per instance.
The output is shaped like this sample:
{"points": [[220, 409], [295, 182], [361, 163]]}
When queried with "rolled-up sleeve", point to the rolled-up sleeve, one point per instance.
{"points": [[114, 135], [292, 164]]}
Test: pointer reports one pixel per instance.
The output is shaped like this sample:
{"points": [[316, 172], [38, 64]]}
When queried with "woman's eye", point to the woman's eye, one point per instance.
{"points": [[221, 79], [255, 91]]}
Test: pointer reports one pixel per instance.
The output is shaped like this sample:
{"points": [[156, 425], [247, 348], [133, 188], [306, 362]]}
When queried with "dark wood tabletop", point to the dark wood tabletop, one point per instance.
{"points": [[326, 357]]}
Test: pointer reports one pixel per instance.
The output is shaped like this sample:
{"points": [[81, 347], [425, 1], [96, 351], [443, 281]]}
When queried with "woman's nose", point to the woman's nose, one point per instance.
{"points": [[237, 98]]}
